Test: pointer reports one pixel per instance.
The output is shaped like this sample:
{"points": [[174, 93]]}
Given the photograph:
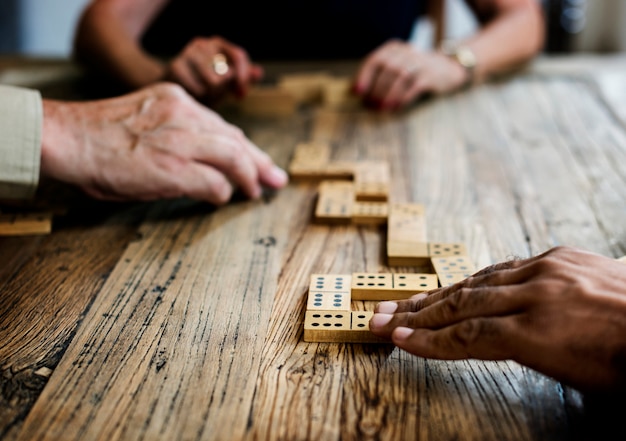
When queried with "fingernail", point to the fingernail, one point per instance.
{"points": [[401, 333], [278, 177], [386, 307], [380, 320]]}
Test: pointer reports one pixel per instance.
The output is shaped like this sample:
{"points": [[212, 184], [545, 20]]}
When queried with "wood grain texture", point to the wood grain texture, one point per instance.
{"points": [[189, 326], [46, 289]]}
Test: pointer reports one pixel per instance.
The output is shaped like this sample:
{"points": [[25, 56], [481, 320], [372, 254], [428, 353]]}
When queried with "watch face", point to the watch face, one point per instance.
{"points": [[466, 57]]}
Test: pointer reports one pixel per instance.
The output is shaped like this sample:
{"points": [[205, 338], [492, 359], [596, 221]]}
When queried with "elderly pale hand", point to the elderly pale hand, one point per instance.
{"points": [[155, 143]]}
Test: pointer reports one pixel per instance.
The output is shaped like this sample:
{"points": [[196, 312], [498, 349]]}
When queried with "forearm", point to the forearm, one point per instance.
{"points": [[108, 43], [512, 37], [62, 124]]}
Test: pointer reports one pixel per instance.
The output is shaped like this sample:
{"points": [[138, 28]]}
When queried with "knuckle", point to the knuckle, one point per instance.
{"points": [[396, 68], [234, 161], [468, 332], [171, 90], [198, 41], [237, 151], [237, 132], [547, 265], [456, 301]]}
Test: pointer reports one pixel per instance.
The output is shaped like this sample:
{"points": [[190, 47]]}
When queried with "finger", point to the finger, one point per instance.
{"points": [[463, 304], [364, 78], [396, 95], [201, 60], [183, 73], [165, 177], [367, 73], [414, 89], [205, 183], [381, 86], [493, 278], [269, 173], [390, 70], [503, 266], [231, 157], [256, 72], [492, 338], [241, 66]]}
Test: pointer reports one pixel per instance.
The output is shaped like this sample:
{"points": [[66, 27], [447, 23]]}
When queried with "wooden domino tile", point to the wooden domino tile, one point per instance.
{"points": [[313, 154], [372, 181], [406, 235], [337, 94], [335, 202], [268, 101], [407, 253], [339, 327], [329, 292], [312, 161], [438, 249], [369, 213], [388, 286], [25, 224], [338, 170], [305, 87], [406, 223], [330, 282], [452, 269]]}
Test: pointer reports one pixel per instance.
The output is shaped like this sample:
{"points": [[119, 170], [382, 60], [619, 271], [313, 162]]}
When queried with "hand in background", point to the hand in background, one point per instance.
{"points": [[396, 74], [155, 143], [194, 69], [562, 313]]}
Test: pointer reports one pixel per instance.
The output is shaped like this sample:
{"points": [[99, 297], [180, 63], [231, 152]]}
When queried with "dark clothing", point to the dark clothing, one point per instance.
{"points": [[283, 29]]}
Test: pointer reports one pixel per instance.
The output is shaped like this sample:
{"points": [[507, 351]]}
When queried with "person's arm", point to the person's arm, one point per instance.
{"points": [[108, 35], [397, 73], [155, 143], [562, 313], [20, 142], [512, 33], [108, 39]]}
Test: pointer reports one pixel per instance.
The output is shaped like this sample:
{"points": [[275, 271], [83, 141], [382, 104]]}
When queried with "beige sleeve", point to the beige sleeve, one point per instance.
{"points": [[21, 122]]}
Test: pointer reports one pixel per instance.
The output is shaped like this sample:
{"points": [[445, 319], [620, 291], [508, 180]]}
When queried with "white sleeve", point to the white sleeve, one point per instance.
{"points": [[21, 124]]}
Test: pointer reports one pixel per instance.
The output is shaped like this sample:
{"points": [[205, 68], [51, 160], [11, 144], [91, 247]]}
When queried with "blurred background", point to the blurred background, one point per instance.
{"points": [[45, 27]]}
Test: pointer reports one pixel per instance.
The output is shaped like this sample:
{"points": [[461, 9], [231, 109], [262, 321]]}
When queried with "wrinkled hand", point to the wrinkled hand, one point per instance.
{"points": [[562, 313], [155, 143], [193, 69], [396, 74]]}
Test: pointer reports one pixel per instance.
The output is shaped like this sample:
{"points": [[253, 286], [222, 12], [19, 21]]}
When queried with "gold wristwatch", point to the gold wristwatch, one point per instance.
{"points": [[462, 55]]}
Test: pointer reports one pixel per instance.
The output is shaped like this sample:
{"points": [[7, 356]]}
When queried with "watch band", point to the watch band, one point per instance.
{"points": [[464, 56]]}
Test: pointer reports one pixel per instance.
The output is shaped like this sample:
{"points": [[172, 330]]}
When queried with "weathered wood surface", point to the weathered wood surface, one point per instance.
{"points": [[175, 321]]}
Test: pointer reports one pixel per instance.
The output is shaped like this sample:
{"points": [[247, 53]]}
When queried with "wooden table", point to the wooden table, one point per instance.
{"points": [[177, 321]]}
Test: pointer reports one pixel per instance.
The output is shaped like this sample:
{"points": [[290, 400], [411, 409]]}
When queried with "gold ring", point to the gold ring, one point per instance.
{"points": [[220, 64]]}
